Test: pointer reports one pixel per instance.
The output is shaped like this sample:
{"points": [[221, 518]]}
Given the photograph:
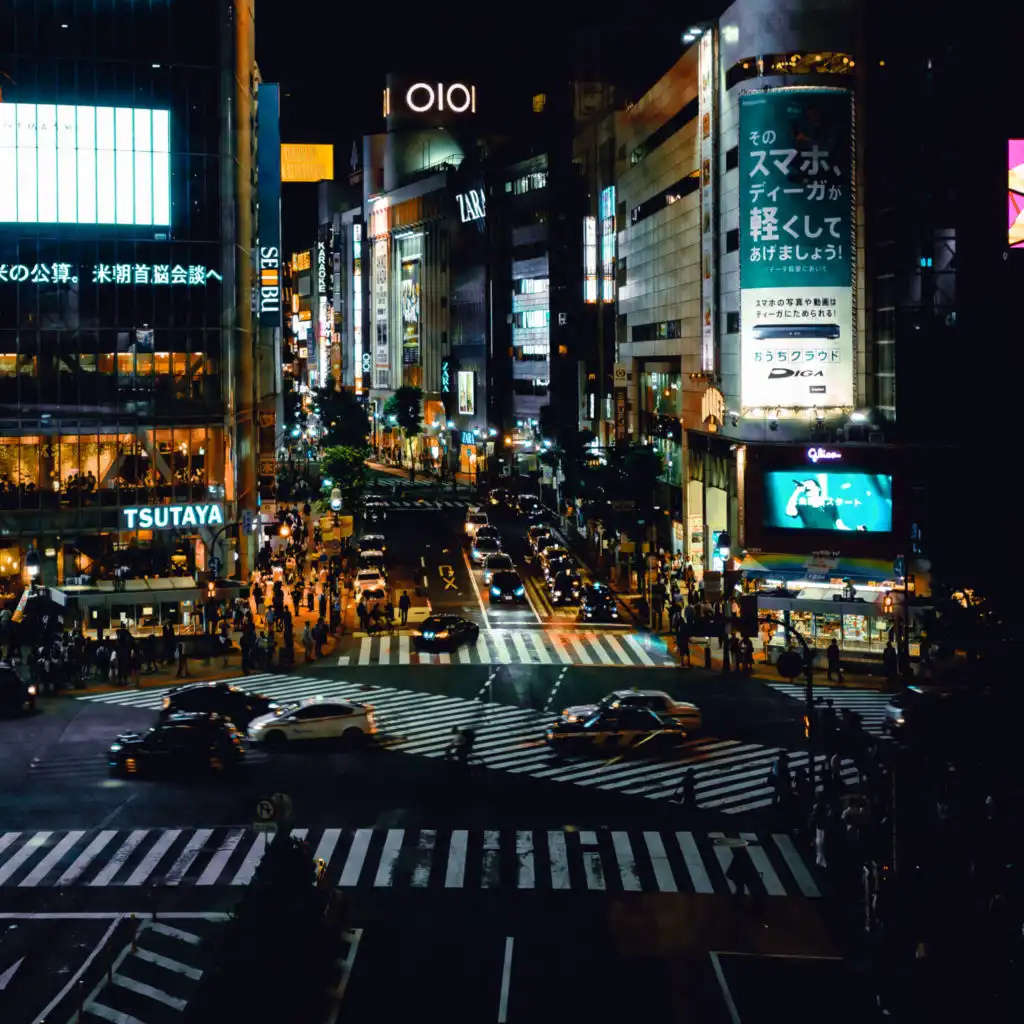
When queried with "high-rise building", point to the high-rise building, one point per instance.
{"points": [[127, 343]]}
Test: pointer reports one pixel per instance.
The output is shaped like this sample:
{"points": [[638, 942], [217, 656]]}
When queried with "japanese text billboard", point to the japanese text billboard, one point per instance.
{"points": [[411, 312], [798, 500], [796, 248]]}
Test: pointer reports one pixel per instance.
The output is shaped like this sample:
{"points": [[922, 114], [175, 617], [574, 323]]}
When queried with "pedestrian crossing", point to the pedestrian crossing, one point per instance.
{"points": [[869, 704], [518, 647], [376, 858], [731, 776], [430, 504]]}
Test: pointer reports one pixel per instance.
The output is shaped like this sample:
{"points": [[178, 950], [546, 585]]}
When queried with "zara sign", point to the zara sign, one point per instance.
{"points": [[472, 205], [172, 517]]}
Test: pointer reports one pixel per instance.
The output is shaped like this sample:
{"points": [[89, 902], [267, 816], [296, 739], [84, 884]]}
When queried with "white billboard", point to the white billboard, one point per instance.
{"points": [[84, 165]]}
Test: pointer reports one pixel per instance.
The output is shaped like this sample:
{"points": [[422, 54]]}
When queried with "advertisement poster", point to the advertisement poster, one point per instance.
{"points": [[467, 396], [796, 248], [1016, 194], [381, 360], [708, 223], [410, 312], [798, 500]]}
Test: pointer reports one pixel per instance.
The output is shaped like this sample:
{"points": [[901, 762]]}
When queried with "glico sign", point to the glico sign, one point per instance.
{"points": [[270, 279], [173, 517]]}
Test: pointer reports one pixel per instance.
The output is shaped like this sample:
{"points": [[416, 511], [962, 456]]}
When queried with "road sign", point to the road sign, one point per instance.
{"points": [[248, 521], [266, 810], [789, 664], [216, 565]]}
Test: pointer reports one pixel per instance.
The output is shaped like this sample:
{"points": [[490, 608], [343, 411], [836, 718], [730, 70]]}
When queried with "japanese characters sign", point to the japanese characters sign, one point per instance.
{"points": [[796, 248], [107, 273], [708, 220]]}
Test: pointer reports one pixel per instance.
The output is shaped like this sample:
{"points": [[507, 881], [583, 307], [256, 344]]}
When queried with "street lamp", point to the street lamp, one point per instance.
{"points": [[32, 564], [336, 499], [285, 531]]}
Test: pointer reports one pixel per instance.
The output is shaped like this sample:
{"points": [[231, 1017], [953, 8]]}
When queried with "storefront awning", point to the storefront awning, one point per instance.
{"points": [[166, 589], [819, 568]]}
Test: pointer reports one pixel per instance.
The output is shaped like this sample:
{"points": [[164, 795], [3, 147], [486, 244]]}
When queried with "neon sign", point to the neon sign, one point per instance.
{"points": [[193, 275], [163, 517], [823, 455], [424, 96], [472, 205], [270, 279]]}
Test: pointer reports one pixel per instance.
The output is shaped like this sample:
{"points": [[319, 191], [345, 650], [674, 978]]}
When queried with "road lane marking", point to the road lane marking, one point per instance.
{"points": [[638, 649], [325, 848], [365, 648], [559, 858], [595, 643], [180, 867], [802, 877], [85, 858], [500, 650], [490, 875], [245, 872], [455, 874], [506, 981], [592, 866], [554, 690], [519, 642], [542, 651], [558, 640], [581, 651], [425, 858], [51, 860], [476, 590], [219, 861], [117, 861], [694, 864], [627, 862], [403, 650], [356, 856], [153, 857], [772, 884], [730, 1003], [660, 862], [388, 858], [614, 644], [384, 657], [524, 854]]}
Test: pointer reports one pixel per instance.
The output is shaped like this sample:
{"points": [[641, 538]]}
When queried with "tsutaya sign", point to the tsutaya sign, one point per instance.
{"points": [[823, 455], [165, 517]]}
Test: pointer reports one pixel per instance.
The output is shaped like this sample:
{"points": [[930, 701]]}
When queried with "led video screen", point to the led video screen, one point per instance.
{"points": [[798, 500], [1015, 158], [84, 165]]}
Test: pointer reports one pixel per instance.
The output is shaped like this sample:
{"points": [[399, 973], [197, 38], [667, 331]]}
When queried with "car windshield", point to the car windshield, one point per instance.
{"points": [[488, 544], [368, 575], [499, 562], [476, 520], [506, 579]]}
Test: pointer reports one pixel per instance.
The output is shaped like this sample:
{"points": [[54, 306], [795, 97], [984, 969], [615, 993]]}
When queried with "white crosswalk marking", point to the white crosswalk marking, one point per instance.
{"points": [[561, 649], [630, 861], [403, 650], [730, 776], [85, 858], [519, 642], [581, 651], [869, 704], [637, 648], [500, 650]]}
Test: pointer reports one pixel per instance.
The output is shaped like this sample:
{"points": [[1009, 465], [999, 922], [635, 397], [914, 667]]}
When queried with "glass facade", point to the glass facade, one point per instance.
{"points": [[116, 300]]}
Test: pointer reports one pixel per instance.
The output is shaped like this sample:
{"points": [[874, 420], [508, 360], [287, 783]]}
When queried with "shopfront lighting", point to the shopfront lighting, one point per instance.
{"points": [[32, 563], [285, 531], [451, 424]]}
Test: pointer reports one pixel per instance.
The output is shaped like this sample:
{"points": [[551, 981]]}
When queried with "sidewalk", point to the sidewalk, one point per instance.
{"points": [[860, 676], [423, 480]]}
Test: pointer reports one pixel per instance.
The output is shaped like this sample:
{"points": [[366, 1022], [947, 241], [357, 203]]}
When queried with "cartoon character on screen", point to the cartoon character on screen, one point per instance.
{"points": [[810, 503]]}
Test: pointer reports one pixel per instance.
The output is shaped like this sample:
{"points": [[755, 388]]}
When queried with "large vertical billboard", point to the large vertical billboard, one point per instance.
{"points": [[708, 184], [381, 348], [796, 248], [268, 194], [411, 312], [1015, 155]]}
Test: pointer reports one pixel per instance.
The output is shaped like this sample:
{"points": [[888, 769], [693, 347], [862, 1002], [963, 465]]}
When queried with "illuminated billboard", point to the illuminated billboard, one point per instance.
{"points": [[796, 248], [1016, 193], [307, 163], [795, 499], [84, 165]]}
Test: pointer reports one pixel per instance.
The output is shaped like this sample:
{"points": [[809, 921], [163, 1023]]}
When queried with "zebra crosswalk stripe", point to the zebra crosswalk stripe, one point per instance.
{"points": [[869, 704], [730, 775], [520, 859]]}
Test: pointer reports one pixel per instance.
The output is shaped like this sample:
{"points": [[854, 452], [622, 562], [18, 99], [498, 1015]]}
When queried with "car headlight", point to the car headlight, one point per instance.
{"points": [[496, 591], [32, 690], [556, 593], [520, 591], [116, 748], [167, 702], [476, 553]]}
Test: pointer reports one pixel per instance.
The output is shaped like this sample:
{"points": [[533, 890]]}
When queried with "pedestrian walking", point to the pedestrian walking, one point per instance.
{"points": [[404, 604], [780, 779], [307, 642], [181, 655], [833, 655]]}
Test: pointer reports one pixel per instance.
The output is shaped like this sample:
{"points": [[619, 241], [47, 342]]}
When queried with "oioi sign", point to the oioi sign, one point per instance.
{"points": [[172, 517]]}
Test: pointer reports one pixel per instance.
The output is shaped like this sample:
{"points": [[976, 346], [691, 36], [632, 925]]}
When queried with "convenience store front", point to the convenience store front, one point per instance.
{"points": [[828, 597]]}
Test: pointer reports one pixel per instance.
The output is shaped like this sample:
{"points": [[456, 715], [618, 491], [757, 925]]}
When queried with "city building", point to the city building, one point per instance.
{"points": [[132, 407]]}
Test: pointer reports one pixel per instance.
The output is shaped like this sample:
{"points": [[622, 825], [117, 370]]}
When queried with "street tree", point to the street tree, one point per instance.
{"points": [[345, 466], [405, 406], [343, 417]]}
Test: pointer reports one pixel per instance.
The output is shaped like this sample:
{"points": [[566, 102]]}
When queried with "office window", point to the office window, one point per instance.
{"points": [[732, 240], [661, 135], [732, 322], [732, 158], [649, 207]]}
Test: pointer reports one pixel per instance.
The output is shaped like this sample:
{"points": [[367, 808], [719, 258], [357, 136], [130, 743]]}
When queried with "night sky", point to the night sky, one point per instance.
{"points": [[332, 80]]}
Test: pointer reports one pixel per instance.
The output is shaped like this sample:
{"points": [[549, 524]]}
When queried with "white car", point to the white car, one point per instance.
{"points": [[686, 714], [315, 719], [474, 520], [498, 562], [368, 579]]}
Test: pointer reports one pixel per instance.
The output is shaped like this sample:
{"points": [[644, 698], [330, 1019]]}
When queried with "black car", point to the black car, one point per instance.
{"points": [[565, 587], [374, 512], [16, 696], [445, 633], [529, 507], [185, 743], [372, 542], [499, 497], [612, 731], [597, 604], [507, 588], [240, 706]]}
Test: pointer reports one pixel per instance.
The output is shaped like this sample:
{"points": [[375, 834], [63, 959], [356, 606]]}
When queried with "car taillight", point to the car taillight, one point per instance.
{"points": [[371, 721], [167, 702]]}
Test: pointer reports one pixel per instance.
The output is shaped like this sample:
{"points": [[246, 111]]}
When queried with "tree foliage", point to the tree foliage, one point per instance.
{"points": [[406, 405], [344, 418], [346, 468]]}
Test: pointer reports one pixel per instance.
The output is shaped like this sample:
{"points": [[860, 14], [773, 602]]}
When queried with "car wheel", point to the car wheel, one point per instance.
{"points": [[353, 739], [276, 739]]}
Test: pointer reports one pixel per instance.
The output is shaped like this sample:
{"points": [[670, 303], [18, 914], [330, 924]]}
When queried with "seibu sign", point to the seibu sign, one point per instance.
{"points": [[270, 279], [164, 517]]}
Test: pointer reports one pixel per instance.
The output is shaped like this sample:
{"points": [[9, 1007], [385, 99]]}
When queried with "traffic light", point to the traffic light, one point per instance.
{"points": [[887, 604], [748, 614]]}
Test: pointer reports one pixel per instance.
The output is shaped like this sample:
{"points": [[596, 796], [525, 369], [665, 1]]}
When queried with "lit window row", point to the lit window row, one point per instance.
{"points": [[527, 183]]}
